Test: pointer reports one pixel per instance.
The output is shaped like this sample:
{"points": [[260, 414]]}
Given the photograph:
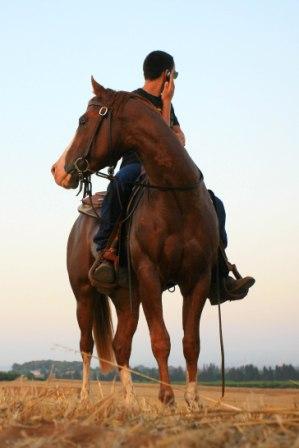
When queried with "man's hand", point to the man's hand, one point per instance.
{"points": [[166, 97], [168, 90]]}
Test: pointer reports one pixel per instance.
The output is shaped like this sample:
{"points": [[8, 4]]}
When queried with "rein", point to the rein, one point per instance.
{"points": [[170, 188]]}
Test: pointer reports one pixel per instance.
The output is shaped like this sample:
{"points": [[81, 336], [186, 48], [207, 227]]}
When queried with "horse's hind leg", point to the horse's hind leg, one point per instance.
{"points": [[93, 310], [127, 320], [85, 315], [151, 298], [193, 305]]}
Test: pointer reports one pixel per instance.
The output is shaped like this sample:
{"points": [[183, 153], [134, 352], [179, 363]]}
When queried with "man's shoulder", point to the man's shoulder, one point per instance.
{"points": [[155, 100], [138, 91]]}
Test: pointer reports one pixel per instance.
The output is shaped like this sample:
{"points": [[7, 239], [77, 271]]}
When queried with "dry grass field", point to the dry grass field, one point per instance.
{"points": [[49, 414]]}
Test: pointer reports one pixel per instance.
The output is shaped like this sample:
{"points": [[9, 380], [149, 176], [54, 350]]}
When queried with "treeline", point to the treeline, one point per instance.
{"points": [[250, 372], [73, 370], [9, 376]]}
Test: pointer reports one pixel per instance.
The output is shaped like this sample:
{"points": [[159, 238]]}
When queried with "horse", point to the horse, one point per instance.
{"points": [[173, 236]]}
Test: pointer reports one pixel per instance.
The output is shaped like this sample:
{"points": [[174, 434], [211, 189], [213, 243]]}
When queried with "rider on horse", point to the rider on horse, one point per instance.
{"points": [[159, 73]]}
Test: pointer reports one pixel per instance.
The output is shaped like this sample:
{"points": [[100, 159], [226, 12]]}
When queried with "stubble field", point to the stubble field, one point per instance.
{"points": [[50, 414]]}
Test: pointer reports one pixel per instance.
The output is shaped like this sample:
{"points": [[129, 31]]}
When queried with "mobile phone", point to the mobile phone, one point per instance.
{"points": [[167, 75]]}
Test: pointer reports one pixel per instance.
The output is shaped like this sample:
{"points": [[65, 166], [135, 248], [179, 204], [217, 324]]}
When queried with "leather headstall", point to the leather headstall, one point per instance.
{"points": [[81, 164]]}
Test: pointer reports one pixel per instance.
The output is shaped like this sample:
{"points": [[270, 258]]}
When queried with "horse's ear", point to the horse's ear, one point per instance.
{"points": [[97, 88]]}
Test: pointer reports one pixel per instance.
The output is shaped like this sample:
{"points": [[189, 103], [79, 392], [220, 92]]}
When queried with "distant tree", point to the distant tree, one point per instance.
{"points": [[235, 374], [177, 374], [251, 373], [77, 375], [267, 374], [285, 372], [210, 373], [9, 376]]}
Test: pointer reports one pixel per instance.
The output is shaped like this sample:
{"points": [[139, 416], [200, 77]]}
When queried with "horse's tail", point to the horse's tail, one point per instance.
{"points": [[103, 332]]}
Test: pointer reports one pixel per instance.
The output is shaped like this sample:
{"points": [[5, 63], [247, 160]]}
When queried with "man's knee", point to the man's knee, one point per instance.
{"points": [[125, 178], [128, 173]]}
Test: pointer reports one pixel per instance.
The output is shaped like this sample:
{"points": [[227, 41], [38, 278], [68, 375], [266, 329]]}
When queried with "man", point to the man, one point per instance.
{"points": [[159, 74]]}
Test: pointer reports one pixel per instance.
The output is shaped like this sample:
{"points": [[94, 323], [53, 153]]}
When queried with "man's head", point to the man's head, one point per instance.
{"points": [[157, 63]]}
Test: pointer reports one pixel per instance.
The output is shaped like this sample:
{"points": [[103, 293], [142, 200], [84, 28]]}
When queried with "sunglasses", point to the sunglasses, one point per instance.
{"points": [[175, 75]]}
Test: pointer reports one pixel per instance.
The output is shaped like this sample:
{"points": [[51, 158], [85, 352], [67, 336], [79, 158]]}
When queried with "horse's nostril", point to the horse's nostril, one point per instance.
{"points": [[53, 170]]}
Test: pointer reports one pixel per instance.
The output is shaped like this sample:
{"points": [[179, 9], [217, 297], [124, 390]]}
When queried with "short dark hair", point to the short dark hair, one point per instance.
{"points": [[155, 63]]}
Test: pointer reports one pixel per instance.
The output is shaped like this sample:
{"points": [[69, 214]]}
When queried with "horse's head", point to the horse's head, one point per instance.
{"points": [[94, 144]]}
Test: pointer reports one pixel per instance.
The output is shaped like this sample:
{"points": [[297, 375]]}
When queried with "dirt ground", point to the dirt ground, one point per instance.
{"points": [[47, 414]]}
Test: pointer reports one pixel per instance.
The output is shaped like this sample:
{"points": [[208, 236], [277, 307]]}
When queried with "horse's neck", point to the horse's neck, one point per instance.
{"points": [[165, 161]]}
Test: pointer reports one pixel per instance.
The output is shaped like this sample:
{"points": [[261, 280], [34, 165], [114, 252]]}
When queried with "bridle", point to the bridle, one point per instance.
{"points": [[81, 165]]}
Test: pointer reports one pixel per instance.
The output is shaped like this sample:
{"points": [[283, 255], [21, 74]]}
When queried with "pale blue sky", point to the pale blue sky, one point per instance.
{"points": [[237, 101]]}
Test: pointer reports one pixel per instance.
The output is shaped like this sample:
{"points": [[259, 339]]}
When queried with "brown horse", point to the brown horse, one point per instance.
{"points": [[173, 236]]}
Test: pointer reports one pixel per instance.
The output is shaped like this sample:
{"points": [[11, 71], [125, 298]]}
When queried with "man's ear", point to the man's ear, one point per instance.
{"points": [[97, 88]]}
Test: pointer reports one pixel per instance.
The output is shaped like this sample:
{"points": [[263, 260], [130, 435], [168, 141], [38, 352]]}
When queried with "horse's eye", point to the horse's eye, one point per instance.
{"points": [[82, 120]]}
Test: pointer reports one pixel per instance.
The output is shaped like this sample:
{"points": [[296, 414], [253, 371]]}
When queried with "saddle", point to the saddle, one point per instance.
{"points": [[91, 206]]}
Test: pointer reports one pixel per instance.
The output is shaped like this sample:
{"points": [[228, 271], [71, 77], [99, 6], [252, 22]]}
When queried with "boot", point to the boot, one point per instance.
{"points": [[239, 285], [227, 287], [234, 288], [102, 270]]}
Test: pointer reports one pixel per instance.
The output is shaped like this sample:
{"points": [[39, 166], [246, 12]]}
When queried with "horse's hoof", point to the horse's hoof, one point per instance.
{"points": [[191, 396], [166, 396], [194, 404]]}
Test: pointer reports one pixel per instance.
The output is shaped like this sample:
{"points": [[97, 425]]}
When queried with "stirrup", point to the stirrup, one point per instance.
{"points": [[104, 272]]}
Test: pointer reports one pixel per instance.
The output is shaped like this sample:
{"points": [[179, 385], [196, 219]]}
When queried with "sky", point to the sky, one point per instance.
{"points": [[237, 101]]}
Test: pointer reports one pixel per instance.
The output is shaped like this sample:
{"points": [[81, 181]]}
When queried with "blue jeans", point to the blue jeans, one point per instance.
{"points": [[220, 212], [116, 201]]}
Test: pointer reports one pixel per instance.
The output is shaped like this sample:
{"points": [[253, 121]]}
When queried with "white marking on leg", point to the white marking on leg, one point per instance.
{"points": [[191, 392], [86, 357], [126, 380]]}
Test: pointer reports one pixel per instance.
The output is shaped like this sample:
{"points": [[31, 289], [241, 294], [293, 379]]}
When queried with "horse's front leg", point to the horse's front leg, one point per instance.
{"points": [[127, 320], [151, 298], [194, 300], [85, 314]]}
